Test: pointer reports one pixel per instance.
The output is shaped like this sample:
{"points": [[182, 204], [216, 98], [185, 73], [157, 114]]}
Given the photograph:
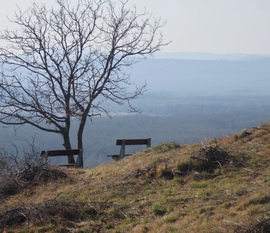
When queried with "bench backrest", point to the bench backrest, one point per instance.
{"points": [[59, 152], [128, 142], [71, 152], [147, 142]]}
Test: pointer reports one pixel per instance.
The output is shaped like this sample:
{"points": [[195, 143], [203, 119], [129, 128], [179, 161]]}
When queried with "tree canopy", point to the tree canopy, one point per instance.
{"points": [[64, 62]]}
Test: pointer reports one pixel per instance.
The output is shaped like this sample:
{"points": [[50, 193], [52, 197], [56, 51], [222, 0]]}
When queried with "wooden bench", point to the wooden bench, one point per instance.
{"points": [[72, 152], [128, 142]]}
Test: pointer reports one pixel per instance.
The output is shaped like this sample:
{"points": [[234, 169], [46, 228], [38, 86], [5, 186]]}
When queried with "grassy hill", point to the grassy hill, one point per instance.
{"points": [[215, 186]]}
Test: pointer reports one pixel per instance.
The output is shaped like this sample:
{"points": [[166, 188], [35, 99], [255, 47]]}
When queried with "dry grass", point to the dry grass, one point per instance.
{"points": [[161, 189]]}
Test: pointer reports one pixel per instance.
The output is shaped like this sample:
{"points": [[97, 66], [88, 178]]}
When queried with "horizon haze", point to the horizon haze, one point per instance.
{"points": [[209, 26]]}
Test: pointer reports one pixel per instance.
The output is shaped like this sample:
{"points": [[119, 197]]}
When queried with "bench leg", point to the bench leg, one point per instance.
{"points": [[122, 150], [79, 160], [148, 143], [44, 156]]}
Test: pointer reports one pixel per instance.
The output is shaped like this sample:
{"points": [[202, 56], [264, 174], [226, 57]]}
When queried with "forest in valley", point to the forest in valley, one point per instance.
{"points": [[165, 117]]}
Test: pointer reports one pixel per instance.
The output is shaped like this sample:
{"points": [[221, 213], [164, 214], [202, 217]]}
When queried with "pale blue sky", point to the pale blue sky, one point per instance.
{"points": [[213, 26]]}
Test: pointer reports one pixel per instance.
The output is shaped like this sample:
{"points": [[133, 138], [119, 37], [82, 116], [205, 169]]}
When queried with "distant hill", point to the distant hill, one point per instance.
{"points": [[209, 56], [219, 185], [204, 77]]}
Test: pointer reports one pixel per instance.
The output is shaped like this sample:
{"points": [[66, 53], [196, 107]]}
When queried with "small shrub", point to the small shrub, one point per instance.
{"points": [[187, 167], [47, 212], [167, 146], [184, 167], [8, 186], [173, 229], [165, 172], [261, 227], [173, 217], [109, 225], [254, 210], [227, 205], [261, 133], [21, 172], [260, 200], [156, 161], [206, 210], [244, 133], [178, 180], [41, 173], [158, 209], [14, 181]]}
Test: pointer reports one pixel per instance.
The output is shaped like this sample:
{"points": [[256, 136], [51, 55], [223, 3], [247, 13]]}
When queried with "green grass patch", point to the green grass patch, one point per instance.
{"points": [[199, 185]]}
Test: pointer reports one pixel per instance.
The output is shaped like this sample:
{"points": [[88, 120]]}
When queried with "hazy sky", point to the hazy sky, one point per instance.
{"points": [[214, 26]]}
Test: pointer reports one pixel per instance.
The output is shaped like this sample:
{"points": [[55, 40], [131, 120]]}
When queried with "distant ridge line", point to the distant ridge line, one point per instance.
{"points": [[209, 56]]}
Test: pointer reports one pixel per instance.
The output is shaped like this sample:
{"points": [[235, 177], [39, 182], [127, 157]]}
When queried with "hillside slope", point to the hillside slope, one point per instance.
{"points": [[216, 186]]}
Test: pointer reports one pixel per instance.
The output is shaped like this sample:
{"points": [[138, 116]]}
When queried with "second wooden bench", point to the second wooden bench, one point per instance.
{"points": [[128, 142]]}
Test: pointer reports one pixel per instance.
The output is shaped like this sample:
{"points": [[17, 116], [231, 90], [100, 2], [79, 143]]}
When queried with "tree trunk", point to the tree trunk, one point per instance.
{"points": [[67, 146], [79, 162], [80, 140], [80, 137]]}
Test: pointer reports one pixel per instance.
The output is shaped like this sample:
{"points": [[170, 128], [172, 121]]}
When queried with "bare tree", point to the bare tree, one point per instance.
{"points": [[63, 63]]}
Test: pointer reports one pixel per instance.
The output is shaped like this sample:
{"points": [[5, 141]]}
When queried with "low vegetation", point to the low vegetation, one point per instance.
{"points": [[219, 185]]}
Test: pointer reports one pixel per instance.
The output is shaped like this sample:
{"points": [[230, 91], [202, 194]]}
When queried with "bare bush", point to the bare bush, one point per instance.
{"points": [[261, 227], [13, 182], [50, 211], [25, 171], [8, 186], [211, 157]]}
